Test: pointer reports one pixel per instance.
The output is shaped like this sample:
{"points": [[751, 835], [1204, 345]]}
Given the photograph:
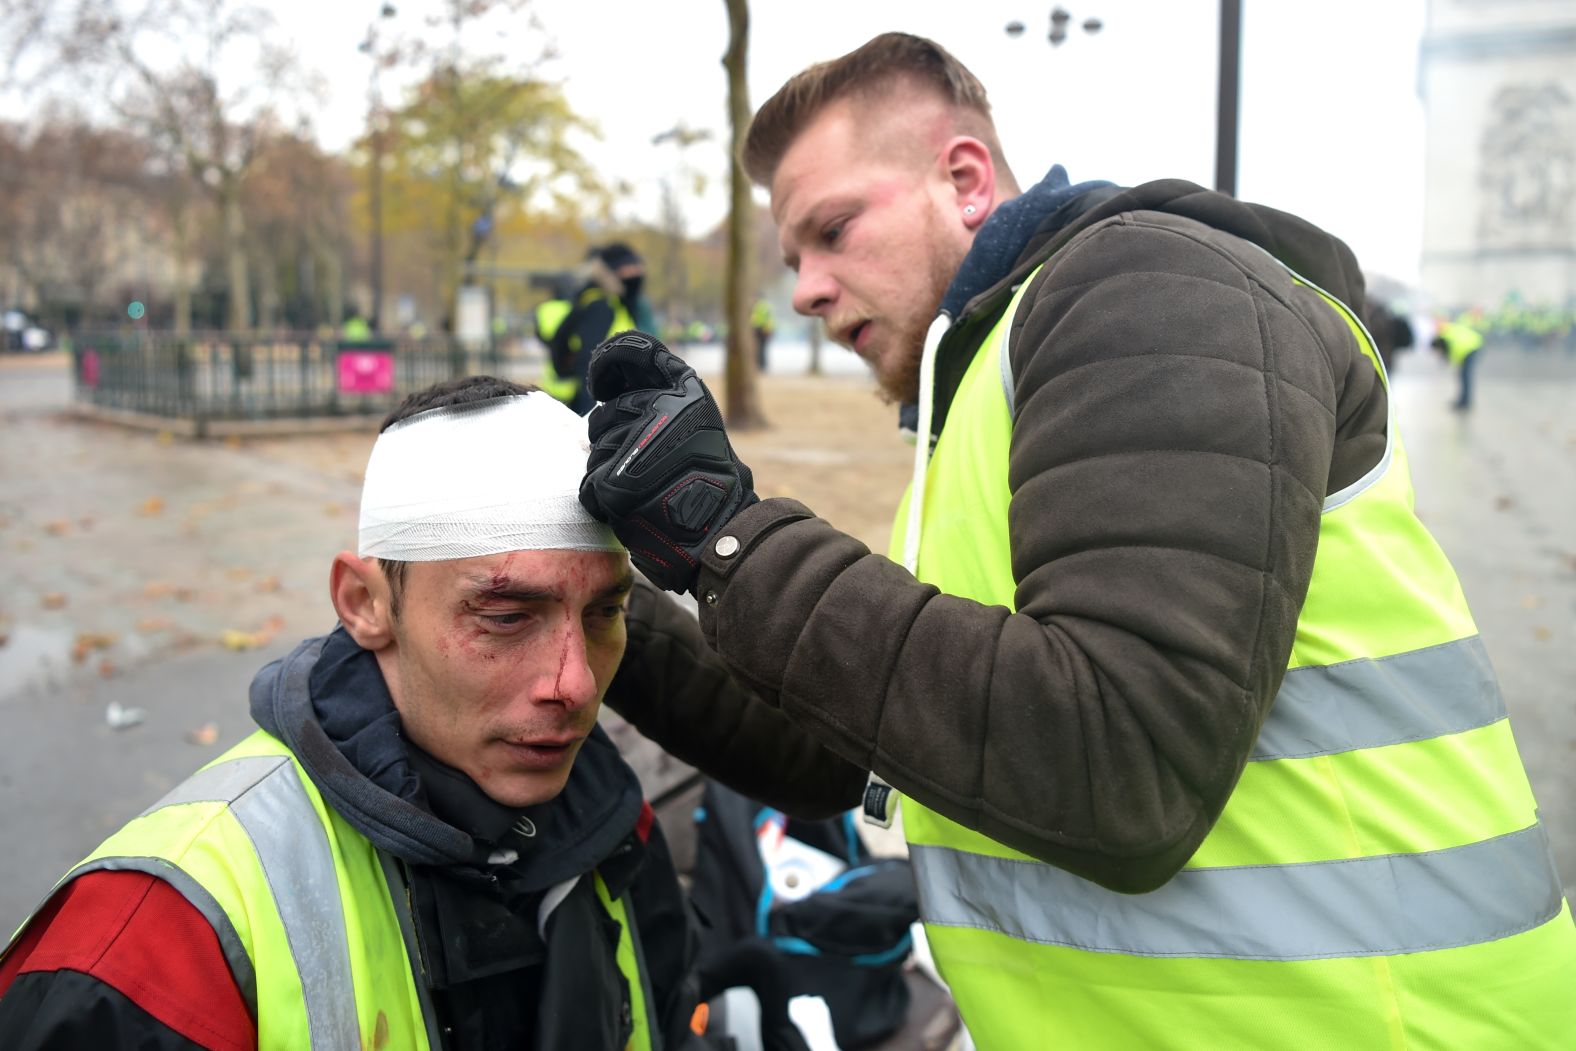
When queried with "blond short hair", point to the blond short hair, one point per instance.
{"points": [[869, 71]]}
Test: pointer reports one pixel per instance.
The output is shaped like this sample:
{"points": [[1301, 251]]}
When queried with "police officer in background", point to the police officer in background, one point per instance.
{"points": [[609, 302]]}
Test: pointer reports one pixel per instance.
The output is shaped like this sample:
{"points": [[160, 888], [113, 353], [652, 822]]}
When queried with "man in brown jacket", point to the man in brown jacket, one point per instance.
{"points": [[1150, 409]]}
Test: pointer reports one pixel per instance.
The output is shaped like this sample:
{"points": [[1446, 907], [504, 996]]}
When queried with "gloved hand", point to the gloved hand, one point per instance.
{"points": [[661, 471]]}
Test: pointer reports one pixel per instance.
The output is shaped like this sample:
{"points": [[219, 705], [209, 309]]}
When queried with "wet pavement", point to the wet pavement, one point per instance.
{"points": [[158, 574]]}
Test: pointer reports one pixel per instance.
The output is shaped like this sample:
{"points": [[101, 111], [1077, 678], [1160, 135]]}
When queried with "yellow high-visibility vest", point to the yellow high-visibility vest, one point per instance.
{"points": [[1379, 878], [319, 946]]}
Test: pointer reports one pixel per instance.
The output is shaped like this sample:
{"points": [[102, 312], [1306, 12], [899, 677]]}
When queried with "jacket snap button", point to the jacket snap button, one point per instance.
{"points": [[711, 598], [727, 547]]}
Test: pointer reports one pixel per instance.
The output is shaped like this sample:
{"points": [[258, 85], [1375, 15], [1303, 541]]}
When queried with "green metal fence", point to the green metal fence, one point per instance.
{"points": [[225, 377]]}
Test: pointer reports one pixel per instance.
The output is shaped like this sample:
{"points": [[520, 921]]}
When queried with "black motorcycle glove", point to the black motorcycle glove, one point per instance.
{"points": [[661, 471]]}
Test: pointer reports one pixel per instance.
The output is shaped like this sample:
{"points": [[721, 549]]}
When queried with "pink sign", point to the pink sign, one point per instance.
{"points": [[90, 368], [366, 371]]}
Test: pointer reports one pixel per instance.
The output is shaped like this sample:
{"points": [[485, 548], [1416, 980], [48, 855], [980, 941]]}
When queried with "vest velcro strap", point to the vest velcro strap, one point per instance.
{"points": [[1372, 906], [1371, 703]]}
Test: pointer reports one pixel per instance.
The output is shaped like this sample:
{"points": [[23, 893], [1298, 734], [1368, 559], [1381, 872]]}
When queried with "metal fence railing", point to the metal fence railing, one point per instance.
{"points": [[225, 377]]}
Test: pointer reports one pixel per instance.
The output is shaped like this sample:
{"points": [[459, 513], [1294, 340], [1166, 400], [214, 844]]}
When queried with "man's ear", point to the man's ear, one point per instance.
{"points": [[973, 176], [362, 598]]}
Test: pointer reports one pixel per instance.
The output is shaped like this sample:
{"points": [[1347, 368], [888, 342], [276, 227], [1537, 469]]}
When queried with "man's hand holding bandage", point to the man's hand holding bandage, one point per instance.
{"points": [[661, 471]]}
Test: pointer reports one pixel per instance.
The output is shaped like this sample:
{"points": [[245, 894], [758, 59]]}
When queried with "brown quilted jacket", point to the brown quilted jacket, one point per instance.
{"points": [[1182, 408]]}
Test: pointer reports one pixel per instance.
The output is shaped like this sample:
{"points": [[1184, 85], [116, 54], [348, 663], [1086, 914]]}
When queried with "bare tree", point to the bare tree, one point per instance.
{"points": [[483, 136], [740, 382], [298, 205], [203, 80], [70, 208]]}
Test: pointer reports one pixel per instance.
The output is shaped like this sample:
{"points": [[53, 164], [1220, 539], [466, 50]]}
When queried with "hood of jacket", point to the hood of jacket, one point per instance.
{"points": [[988, 276], [327, 701]]}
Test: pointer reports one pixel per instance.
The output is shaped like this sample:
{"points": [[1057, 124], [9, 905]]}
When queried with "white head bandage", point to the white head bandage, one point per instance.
{"points": [[499, 475]]}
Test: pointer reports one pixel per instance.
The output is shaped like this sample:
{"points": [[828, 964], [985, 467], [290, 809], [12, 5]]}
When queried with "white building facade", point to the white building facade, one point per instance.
{"points": [[1498, 83]]}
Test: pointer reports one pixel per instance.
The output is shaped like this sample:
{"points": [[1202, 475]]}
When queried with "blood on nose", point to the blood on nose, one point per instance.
{"points": [[574, 666]]}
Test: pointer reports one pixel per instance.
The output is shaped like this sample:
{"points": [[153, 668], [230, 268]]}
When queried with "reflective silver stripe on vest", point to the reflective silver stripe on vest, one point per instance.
{"points": [[1376, 906], [299, 867], [266, 797], [1414, 696], [223, 783]]}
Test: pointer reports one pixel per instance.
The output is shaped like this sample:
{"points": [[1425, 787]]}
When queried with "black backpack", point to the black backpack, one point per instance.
{"points": [[845, 942]]}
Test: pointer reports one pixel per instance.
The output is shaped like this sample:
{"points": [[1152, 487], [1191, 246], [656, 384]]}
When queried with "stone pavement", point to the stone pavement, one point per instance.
{"points": [[160, 574]]}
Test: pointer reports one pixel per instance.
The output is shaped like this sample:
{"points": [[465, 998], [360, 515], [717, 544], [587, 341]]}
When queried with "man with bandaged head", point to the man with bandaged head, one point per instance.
{"points": [[428, 842]]}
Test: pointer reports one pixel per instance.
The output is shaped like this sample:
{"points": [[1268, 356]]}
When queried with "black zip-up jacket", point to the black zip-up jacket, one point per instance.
{"points": [[494, 981]]}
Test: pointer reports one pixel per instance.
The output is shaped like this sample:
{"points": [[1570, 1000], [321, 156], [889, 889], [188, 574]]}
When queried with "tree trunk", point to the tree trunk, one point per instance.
{"points": [[742, 401], [333, 284], [181, 220], [237, 273], [815, 346]]}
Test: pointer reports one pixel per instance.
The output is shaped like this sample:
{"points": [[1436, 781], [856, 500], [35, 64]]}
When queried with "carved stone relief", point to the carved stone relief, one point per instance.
{"points": [[1528, 168]]}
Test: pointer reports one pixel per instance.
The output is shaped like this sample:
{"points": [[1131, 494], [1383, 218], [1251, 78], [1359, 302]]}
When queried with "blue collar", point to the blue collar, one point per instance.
{"points": [[999, 243]]}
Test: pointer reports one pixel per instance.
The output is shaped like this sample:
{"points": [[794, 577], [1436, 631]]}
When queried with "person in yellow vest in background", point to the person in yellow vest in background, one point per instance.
{"points": [[609, 302], [429, 843], [763, 323], [1460, 342], [1196, 740], [355, 329], [548, 315]]}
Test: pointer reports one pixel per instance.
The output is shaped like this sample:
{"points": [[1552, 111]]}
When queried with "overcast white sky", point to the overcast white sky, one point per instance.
{"points": [[1331, 122]]}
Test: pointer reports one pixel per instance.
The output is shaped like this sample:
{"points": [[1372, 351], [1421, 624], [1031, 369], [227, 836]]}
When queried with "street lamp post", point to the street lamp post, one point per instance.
{"points": [[369, 47], [1061, 18], [1228, 101]]}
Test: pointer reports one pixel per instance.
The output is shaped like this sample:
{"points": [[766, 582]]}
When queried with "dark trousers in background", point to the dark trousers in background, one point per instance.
{"points": [[1464, 397]]}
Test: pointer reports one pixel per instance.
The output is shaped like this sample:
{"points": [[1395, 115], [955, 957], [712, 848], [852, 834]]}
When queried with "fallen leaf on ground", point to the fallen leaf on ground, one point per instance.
{"points": [[207, 733], [157, 589], [250, 640], [85, 522], [184, 594], [5, 637], [53, 600], [333, 510], [106, 668], [267, 585], [1531, 601], [166, 437], [1503, 503], [232, 441], [90, 642], [152, 624], [1542, 634], [121, 718], [59, 527], [153, 505], [238, 573]]}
